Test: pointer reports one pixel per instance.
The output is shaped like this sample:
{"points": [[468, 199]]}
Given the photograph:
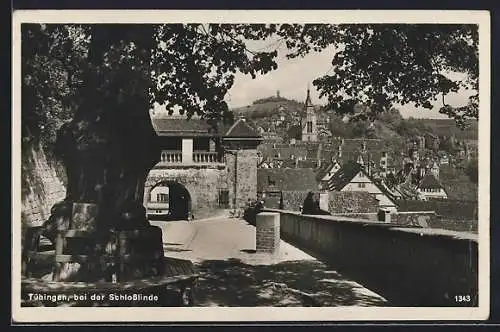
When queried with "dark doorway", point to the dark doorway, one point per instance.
{"points": [[179, 203], [224, 199]]}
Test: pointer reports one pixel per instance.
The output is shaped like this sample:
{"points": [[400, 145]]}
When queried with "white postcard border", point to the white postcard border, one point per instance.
{"points": [[230, 314]]}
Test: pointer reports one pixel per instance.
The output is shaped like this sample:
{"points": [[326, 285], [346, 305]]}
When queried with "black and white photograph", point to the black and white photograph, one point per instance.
{"points": [[250, 165]]}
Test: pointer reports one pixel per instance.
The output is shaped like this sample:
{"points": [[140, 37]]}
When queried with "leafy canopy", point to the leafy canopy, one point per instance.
{"points": [[192, 66], [383, 65]]}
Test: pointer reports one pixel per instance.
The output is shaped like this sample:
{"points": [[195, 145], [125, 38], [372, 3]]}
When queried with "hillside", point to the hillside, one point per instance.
{"points": [[447, 127], [269, 108], [390, 126]]}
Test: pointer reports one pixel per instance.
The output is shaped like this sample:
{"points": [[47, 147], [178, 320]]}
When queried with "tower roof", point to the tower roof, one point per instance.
{"points": [[308, 98]]}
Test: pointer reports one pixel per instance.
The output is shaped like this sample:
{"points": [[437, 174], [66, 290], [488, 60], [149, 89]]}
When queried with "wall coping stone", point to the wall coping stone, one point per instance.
{"points": [[424, 232]]}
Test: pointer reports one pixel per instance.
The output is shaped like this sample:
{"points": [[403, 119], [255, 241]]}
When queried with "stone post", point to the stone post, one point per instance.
{"points": [[268, 233]]}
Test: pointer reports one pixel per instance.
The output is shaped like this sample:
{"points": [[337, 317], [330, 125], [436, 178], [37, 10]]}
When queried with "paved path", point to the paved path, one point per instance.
{"points": [[232, 274]]}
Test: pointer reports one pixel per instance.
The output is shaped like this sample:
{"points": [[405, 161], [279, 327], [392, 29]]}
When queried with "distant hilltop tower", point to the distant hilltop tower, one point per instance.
{"points": [[309, 128], [277, 93]]}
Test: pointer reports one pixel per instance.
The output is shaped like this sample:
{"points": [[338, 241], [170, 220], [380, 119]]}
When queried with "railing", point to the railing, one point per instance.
{"points": [[199, 157], [206, 157], [171, 156]]}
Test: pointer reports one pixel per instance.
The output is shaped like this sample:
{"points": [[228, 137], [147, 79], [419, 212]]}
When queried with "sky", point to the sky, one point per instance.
{"points": [[293, 77]]}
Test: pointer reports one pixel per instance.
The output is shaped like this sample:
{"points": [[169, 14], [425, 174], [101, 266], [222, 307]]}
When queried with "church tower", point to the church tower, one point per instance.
{"points": [[309, 128]]}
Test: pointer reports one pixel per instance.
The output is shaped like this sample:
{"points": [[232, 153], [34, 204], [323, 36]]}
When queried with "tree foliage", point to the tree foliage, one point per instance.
{"points": [[53, 62], [382, 65], [193, 65]]}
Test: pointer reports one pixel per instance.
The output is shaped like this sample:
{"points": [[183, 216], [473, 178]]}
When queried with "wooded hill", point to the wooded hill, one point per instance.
{"points": [[389, 126]]}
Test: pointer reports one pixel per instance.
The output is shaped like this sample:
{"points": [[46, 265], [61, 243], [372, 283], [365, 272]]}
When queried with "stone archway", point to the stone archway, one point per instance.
{"points": [[176, 206]]}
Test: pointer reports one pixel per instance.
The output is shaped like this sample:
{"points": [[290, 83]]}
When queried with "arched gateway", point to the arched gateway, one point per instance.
{"points": [[201, 169], [168, 200]]}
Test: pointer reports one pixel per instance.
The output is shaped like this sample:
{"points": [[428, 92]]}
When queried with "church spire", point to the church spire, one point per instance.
{"points": [[308, 98]]}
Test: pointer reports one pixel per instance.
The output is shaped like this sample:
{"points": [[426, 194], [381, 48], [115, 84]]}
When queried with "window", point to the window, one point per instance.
{"points": [[162, 197], [361, 185], [309, 126]]}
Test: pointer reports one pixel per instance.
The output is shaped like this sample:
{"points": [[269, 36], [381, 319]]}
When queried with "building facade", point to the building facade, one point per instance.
{"points": [[202, 168], [353, 177]]}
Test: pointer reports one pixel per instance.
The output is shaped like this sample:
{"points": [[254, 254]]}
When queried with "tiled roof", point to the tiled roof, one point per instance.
{"points": [[287, 179], [269, 151], [407, 191], [181, 125], [344, 175], [242, 129], [429, 181], [351, 144], [323, 170], [307, 164]]}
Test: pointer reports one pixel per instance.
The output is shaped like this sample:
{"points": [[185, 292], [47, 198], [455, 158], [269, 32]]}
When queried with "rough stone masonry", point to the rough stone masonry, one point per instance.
{"points": [[268, 233]]}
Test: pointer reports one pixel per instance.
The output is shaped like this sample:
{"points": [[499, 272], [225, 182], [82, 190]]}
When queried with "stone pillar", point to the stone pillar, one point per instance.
{"points": [[268, 233], [187, 150]]}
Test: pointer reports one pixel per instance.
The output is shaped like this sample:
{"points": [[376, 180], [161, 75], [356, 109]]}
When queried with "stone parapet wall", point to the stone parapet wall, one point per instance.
{"points": [[408, 266]]}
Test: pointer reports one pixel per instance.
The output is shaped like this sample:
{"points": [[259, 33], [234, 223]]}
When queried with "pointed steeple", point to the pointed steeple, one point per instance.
{"points": [[308, 98]]}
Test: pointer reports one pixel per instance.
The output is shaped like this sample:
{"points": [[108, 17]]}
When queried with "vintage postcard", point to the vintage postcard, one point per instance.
{"points": [[250, 166]]}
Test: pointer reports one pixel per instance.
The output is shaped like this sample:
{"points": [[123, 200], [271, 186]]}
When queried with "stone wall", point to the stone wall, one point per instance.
{"points": [[408, 266], [42, 185], [293, 200], [352, 201], [448, 208], [203, 184]]}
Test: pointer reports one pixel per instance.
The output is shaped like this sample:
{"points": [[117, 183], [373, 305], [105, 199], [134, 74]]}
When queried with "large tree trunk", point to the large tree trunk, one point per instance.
{"points": [[110, 145]]}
